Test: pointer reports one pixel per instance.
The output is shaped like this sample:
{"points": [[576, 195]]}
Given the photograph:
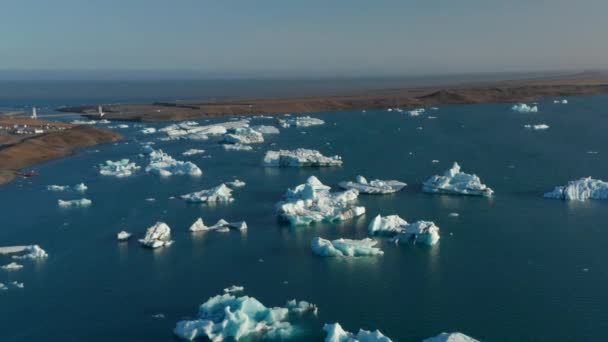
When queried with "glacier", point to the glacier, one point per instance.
{"points": [[158, 235], [420, 232], [164, 165], [121, 168], [580, 190], [454, 182], [345, 247], [335, 333], [375, 186], [300, 121], [524, 108], [312, 202], [77, 203], [300, 157], [220, 193], [450, 337], [228, 317], [220, 226]]}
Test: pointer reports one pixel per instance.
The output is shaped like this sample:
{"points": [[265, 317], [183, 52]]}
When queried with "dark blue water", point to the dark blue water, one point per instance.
{"points": [[510, 268]]}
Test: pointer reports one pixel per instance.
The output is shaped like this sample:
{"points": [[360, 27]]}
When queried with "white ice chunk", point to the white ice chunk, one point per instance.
{"points": [[220, 193], [31, 252], [77, 203], [13, 266], [416, 112], [335, 333], [312, 202], [148, 130], [221, 226], [121, 168], [301, 307], [345, 247], [422, 232], [264, 129], [375, 186], [243, 136], [158, 235], [564, 101], [59, 188], [300, 121], [454, 182], [524, 108], [192, 151], [123, 236], [164, 165], [236, 184], [537, 127], [17, 284], [237, 147], [450, 337], [234, 289], [299, 158], [581, 190]]}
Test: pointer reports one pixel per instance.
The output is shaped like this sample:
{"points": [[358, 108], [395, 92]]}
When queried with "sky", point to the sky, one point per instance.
{"points": [[302, 38]]}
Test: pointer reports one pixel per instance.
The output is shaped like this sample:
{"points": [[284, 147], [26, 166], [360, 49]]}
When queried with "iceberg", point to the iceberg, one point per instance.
{"points": [[580, 190], [3, 287], [17, 284], [220, 193], [454, 182], [121, 168], [375, 186], [221, 226], [164, 165], [300, 121], [312, 202], [148, 130], [564, 101], [192, 131], [420, 232], [524, 108], [31, 252], [123, 236], [451, 337], [301, 307], [226, 317], [192, 151], [60, 188], [537, 127], [13, 266], [416, 112], [234, 289], [264, 129], [243, 136], [77, 203], [299, 158], [236, 184], [237, 147], [335, 333], [345, 247], [158, 235]]}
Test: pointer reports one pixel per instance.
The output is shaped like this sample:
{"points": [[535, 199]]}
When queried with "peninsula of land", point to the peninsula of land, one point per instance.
{"points": [[522, 90]]}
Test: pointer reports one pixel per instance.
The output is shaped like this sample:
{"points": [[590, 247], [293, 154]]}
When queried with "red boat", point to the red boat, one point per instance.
{"points": [[31, 174]]}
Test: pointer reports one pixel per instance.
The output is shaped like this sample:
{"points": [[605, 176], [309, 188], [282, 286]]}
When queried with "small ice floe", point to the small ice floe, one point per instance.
{"points": [[450, 337], [234, 289], [453, 214], [121, 126], [121, 168], [375, 186], [236, 183], [335, 333], [3, 287], [563, 101], [422, 232], [237, 147], [148, 130], [164, 165], [24, 252], [524, 108], [537, 127], [159, 316], [312, 202], [226, 317], [60, 188], [344, 247], [389, 109], [416, 112], [454, 182], [77, 203], [244, 136], [84, 122], [123, 236], [434, 161], [220, 193], [419, 128], [220, 226], [158, 235], [17, 284], [300, 157], [302, 307], [592, 152], [431, 117], [13, 266], [192, 151], [150, 199], [300, 121], [581, 190], [264, 129]]}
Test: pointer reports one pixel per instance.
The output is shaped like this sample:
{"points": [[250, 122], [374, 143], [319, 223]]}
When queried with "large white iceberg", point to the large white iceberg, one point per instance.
{"points": [[345, 247], [450, 337], [524, 108], [164, 165], [300, 121], [312, 202], [77, 203], [335, 333], [422, 232], [226, 317], [243, 136], [454, 182], [581, 190], [158, 235], [220, 193], [192, 131], [299, 158], [221, 226], [60, 188], [121, 168], [375, 186]]}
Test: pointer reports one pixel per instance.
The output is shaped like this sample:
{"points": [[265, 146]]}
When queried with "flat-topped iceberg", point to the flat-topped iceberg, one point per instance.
{"points": [[77, 203], [312, 202], [158, 235], [60, 188], [30, 252], [335, 333], [581, 190], [421, 232], [13, 266], [237, 147], [243, 136], [300, 157], [121, 168], [192, 151], [375, 186], [123, 236], [450, 337], [524, 108], [300, 121], [454, 182], [164, 165], [345, 247], [220, 193], [226, 317], [221, 226], [192, 131]]}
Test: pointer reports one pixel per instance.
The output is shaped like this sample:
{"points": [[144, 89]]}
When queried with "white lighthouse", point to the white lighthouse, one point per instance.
{"points": [[34, 113], [100, 112]]}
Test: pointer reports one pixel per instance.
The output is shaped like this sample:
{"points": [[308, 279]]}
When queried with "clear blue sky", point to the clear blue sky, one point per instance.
{"points": [[313, 37]]}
